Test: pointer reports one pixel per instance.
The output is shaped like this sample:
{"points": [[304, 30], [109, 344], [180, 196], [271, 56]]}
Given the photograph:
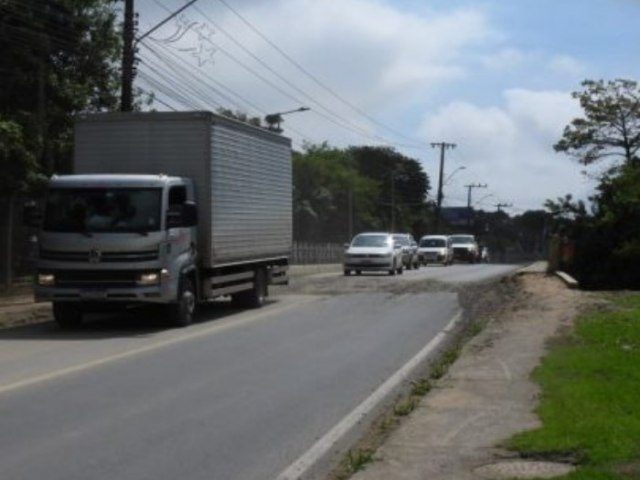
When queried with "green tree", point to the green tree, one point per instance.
{"points": [[17, 164], [607, 240], [330, 197], [60, 57], [403, 188], [610, 126], [238, 115]]}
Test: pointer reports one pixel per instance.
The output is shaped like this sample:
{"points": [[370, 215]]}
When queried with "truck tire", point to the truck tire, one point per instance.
{"points": [[258, 294], [183, 310], [256, 297], [67, 314]]}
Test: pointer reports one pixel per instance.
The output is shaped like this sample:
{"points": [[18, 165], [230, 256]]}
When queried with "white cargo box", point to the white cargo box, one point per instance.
{"points": [[242, 174]]}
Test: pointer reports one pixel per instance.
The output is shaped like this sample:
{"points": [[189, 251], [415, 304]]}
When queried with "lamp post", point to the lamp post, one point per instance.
{"points": [[446, 180], [275, 119]]}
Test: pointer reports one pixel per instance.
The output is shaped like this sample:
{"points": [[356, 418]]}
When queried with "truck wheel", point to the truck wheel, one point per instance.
{"points": [[183, 310], [255, 297], [258, 294], [67, 314]]}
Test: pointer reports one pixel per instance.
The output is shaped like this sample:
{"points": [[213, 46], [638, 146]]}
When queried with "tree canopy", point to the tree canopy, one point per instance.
{"points": [[610, 126], [607, 240], [339, 192], [59, 57]]}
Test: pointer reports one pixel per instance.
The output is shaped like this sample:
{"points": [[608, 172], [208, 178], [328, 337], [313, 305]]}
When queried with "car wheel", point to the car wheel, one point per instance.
{"points": [[358, 272], [347, 272]]}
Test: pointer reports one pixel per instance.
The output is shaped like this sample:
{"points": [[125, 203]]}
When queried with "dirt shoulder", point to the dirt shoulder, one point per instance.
{"points": [[487, 394]]}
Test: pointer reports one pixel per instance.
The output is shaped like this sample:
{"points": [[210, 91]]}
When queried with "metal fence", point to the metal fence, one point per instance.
{"points": [[313, 253]]}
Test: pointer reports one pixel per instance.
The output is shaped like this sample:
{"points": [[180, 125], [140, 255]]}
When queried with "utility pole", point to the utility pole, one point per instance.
{"points": [[129, 42], [126, 92], [499, 206], [470, 187], [393, 202], [443, 146]]}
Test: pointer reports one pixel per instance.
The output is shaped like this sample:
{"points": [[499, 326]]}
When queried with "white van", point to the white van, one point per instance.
{"points": [[435, 249]]}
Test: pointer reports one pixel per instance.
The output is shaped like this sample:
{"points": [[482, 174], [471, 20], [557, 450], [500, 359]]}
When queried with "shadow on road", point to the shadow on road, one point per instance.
{"points": [[137, 322]]}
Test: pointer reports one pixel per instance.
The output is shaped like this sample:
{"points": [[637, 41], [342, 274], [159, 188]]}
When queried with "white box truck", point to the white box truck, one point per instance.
{"points": [[168, 208]]}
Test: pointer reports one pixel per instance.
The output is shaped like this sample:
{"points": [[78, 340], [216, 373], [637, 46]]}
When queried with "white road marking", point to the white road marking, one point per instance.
{"points": [[300, 468], [216, 328]]}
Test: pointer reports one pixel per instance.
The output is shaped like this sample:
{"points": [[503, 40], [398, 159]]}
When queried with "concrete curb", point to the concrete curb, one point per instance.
{"points": [[567, 279], [542, 267]]}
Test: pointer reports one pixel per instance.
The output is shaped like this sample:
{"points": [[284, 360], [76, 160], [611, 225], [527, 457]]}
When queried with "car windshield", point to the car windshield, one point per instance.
{"points": [[370, 241], [103, 210], [401, 240], [462, 239], [432, 242]]}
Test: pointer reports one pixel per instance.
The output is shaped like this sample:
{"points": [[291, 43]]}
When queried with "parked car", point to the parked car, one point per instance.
{"points": [[409, 248], [435, 249], [374, 251], [465, 248]]}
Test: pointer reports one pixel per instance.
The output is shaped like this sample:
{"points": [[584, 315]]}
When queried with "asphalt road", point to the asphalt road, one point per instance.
{"points": [[239, 395]]}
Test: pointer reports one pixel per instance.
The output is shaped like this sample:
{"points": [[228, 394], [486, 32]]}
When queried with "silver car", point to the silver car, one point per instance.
{"points": [[409, 246], [375, 251]]}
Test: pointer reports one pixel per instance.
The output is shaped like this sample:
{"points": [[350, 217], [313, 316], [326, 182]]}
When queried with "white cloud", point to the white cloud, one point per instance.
{"points": [[370, 51], [566, 65], [504, 59], [510, 147]]}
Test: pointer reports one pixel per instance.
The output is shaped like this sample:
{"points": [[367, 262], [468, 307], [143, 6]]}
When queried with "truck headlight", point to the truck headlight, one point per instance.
{"points": [[148, 278], [46, 279]]}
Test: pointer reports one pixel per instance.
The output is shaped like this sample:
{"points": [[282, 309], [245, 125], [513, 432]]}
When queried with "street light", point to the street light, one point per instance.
{"points": [[446, 181], [275, 119], [477, 202]]}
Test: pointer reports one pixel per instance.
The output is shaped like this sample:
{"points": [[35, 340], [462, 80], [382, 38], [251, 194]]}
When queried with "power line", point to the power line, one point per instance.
{"points": [[313, 77], [330, 116], [282, 78], [198, 77]]}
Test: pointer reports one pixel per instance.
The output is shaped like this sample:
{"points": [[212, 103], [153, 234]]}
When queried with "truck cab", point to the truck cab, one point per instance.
{"points": [[116, 240]]}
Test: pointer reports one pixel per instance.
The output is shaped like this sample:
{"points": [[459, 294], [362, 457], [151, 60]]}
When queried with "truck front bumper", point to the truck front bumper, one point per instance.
{"points": [[102, 286]]}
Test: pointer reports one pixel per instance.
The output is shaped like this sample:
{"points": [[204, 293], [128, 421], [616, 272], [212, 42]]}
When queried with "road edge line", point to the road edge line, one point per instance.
{"points": [[324, 447]]}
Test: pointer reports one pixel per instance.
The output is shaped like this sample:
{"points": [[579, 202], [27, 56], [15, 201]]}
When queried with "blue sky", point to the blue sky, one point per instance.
{"points": [[492, 76]]}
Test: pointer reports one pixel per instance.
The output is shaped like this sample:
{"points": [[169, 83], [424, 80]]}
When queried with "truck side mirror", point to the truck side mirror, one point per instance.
{"points": [[184, 215], [31, 215]]}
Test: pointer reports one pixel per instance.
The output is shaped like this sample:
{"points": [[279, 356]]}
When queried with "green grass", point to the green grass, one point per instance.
{"points": [[590, 404]]}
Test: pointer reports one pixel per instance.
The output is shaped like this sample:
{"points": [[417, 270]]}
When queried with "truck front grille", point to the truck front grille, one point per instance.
{"points": [[94, 256], [96, 279]]}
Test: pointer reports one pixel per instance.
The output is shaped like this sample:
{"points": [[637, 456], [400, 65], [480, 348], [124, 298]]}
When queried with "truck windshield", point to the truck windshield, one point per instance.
{"points": [[103, 210]]}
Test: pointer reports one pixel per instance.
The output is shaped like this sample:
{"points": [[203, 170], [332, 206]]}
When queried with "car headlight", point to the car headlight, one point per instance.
{"points": [[148, 278], [46, 279]]}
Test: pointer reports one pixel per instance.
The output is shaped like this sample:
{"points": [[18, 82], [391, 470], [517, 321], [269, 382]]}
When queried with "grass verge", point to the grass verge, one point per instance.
{"points": [[590, 403]]}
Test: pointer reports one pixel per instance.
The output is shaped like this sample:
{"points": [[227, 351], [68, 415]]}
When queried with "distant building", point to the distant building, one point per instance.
{"points": [[458, 216]]}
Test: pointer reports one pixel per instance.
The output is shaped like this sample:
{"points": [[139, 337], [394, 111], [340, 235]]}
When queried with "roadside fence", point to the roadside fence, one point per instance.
{"points": [[305, 253]]}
